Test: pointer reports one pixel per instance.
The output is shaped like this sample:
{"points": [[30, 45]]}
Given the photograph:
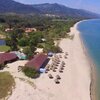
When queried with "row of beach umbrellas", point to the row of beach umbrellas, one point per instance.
{"points": [[55, 63], [57, 78]]}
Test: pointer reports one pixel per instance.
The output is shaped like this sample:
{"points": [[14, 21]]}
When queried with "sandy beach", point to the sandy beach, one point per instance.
{"points": [[75, 79]]}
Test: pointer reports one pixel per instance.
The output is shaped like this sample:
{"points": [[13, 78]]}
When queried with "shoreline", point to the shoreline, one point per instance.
{"points": [[92, 65]]}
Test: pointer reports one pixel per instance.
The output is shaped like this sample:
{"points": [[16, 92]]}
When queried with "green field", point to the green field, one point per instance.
{"points": [[6, 84], [4, 48]]}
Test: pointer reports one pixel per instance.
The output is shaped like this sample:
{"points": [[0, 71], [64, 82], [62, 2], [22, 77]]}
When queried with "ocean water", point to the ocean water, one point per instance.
{"points": [[90, 33]]}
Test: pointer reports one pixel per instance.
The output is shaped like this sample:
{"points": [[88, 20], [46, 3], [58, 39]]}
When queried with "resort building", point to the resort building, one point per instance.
{"points": [[7, 57], [28, 30], [38, 62], [8, 29]]}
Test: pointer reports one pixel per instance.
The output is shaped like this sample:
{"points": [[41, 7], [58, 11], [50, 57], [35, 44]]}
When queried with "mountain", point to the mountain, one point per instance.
{"points": [[10, 6], [58, 9]]}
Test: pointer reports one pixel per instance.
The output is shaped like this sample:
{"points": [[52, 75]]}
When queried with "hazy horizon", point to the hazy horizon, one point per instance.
{"points": [[93, 5]]}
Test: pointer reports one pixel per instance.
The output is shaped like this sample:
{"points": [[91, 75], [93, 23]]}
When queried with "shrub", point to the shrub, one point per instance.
{"points": [[23, 42], [2, 66], [7, 83], [30, 72]]}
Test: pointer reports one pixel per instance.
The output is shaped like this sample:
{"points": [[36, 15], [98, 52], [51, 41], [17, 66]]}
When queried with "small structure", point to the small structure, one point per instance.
{"points": [[50, 54], [28, 30], [39, 61], [8, 29], [20, 55], [7, 57]]}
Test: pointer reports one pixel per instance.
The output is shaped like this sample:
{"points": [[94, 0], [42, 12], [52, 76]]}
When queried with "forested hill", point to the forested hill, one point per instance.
{"points": [[11, 6], [58, 9]]}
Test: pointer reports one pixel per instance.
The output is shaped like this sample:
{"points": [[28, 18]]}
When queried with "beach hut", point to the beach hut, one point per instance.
{"points": [[39, 61], [7, 58]]}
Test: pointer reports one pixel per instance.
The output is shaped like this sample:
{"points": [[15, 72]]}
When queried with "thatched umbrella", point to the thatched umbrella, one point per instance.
{"points": [[50, 76], [57, 81], [61, 71], [48, 66], [55, 67], [54, 70], [46, 71], [58, 77], [62, 68], [66, 53], [63, 63], [65, 57], [60, 56]]}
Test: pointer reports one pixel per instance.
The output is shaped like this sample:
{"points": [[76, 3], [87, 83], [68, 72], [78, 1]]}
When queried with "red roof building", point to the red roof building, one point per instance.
{"points": [[7, 57], [37, 62]]}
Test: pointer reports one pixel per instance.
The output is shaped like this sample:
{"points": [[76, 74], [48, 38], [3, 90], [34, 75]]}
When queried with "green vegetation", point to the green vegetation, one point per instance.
{"points": [[48, 28], [30, 72], [4, 48], [2, 66], [6, 84]]}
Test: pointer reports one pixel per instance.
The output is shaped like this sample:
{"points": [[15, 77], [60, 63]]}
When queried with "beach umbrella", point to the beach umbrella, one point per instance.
{"points": [[62, 68], [60, 56], [63, 62], [46, 71], [58, 77], [54, 70], [56, 81], [60, 71], [50, 76], [48, 66], [55, 67], [65, 57], [66, 53], [62, 65]]}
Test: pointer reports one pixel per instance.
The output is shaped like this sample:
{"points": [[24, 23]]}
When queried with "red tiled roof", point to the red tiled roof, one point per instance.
{"points": [[4, 57], [37, 62]]}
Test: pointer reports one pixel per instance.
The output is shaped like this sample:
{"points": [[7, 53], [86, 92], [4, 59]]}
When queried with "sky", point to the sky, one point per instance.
{"points": [[91, 5]]}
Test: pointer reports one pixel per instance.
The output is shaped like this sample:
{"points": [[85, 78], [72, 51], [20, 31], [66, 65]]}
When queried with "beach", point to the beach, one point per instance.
{"points": [[75, 80]]}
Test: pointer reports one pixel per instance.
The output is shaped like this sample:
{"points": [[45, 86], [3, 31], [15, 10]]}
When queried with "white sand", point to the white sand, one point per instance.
{"points": [[74, 83]]}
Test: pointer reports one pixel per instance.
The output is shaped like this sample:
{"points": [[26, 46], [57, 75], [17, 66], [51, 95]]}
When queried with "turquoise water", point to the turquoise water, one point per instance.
{"points": [[90, 33]]}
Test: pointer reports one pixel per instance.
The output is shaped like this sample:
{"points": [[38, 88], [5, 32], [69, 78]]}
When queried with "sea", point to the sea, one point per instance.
{"points": [[90, 34]]}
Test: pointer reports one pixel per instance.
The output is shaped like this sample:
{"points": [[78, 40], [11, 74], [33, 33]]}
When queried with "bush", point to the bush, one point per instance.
{"points": [[2, 66], [7, 83], [30, 72], [23, 42]]}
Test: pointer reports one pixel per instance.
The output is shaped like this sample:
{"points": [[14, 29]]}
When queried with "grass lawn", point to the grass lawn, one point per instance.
{"points": [[4, 48], [6, 84]]}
